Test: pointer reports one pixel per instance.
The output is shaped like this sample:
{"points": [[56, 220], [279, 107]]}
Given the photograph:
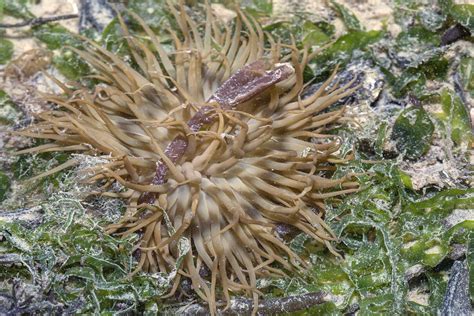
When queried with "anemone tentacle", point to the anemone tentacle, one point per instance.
{"points": [[250, 168]]}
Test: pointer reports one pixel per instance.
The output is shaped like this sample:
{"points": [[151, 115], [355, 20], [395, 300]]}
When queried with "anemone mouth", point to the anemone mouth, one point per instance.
{"points": [[257, 163]]}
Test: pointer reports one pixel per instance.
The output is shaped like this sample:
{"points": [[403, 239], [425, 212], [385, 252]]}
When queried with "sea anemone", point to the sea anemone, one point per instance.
{"points": [[213, 144]]}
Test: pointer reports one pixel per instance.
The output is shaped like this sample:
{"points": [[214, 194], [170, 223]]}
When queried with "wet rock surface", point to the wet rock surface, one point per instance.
{"points": [[366, 76], [243, 306], [95, 14], [456, 300]]}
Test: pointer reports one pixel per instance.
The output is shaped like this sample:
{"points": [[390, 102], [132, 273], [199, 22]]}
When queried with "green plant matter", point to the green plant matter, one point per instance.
{"points": [[413, 131], [6, 50], [72, 262]]}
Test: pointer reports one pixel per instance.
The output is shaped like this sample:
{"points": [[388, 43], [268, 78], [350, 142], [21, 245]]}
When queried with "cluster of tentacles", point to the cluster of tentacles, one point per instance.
{"points": [[214, 147]]}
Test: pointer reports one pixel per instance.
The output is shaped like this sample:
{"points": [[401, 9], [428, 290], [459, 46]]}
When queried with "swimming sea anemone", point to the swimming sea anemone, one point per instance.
{"points": [[214, 145]]}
